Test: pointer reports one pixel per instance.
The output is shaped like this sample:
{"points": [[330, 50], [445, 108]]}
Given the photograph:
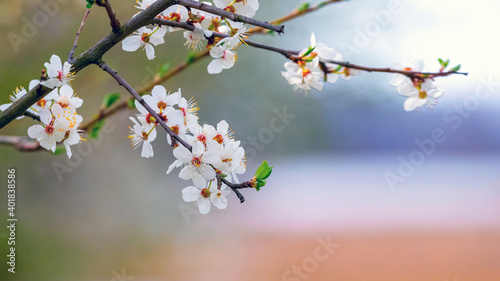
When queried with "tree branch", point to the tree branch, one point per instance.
{"points": [[91, 56], [113, 21], [72, 52], [231, 16], [189, 27]]}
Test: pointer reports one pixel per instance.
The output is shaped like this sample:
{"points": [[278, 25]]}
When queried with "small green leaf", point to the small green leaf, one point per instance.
{"points": [[163, 69], [337, 69], [60, 149], [110, 99], [270, 32], [90, 3], [262, 171], [303, 7], [269, 171], [309, 51], [191, 58], [131, 103], [441, 62], [456, 68], [446, 63], [96, 128], [260, 184]]}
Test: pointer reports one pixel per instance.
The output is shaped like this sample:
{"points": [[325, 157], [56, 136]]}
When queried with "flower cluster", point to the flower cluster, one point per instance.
{"points": [[311, 67], [419, 91], [57, 110], [212, 151], [223, 51]]}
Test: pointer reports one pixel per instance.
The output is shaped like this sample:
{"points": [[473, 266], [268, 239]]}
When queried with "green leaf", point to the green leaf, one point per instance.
{"points": [[309, 51], [271, 32], [446, 63], [337, 69], [260, 184], [303, 7], [110, 99], [96, 128], [163, 69], [90, 3], [441, 62], [131, 103], [456, 68], [269, 171], [262, 170], [60, 149], [191, 58]]}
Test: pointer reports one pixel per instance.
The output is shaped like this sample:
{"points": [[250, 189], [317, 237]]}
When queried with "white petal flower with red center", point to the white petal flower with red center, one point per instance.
{"points": [[72, 136], [326, 53], [159, 100], [201, 195], [144, 135], [197, 163], [188, 109], [204, 135], [406, 65], [218, 197], [169, 115], [223, 59], [145, 38], [242, 7], [58, 74], [223, 134], [232, 159], [65, 97], [420, 94], [236, 39], [175, 13], [304, 77], [194, 38], [52, 131]]}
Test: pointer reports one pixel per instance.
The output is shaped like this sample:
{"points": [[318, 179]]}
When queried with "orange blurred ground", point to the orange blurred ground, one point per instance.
{"points": [[415, 256]]}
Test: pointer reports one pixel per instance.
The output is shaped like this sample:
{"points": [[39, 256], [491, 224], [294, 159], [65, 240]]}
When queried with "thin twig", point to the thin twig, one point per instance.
{"points": [[231, 16], [72, 52], [136, 96], [410, 74], [189, 27], [290, 54], [231, 185], [21, 143], [32, 116], [296, 13], [113, 20]]}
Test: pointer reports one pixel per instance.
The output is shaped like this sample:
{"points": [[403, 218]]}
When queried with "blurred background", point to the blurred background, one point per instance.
{"points": [[361, 189]]}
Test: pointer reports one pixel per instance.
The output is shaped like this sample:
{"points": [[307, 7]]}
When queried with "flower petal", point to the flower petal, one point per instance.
{"points": [[191, 194]]}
